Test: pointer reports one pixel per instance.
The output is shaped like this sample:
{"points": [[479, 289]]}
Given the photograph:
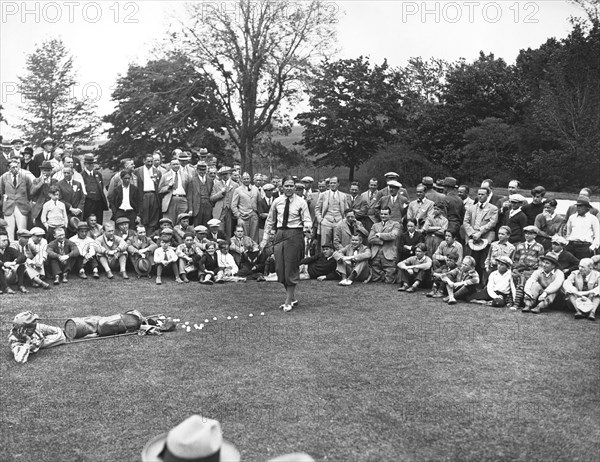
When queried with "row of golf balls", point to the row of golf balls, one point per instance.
{"points": [[188, 328]]}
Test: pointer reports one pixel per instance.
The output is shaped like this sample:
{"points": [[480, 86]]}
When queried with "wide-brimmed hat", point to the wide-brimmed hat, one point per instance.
{"points": [[184, 156], [504, 259], [201, 164], [89, 159], [551, 258], [584, 304], [531, 229], [213, 222], [73, 223], [479, 244], [16, 141], [142, 265], [203, 151], [25, 318], [46, 165], [583, 200]]}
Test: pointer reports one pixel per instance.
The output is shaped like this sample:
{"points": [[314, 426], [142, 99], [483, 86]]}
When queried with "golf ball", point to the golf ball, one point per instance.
{"points": [[206, 320], [215, 318], [262, 314], [228, 317], [188, 328], [250, 315], [235, 317]]}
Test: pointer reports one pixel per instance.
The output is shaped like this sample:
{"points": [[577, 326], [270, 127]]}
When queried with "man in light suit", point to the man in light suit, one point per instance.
{"points": [[479, 223], [345, 229], [244, 206], [221, 197], [15, 190], [199, 192], [173, 188], [395, 202], [584, 283], [330, 210], [148, 178], [383, 239], [353, 261]]}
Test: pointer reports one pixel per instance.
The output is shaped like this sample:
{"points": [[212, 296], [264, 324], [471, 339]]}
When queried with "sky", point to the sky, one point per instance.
{"points": [[105, 36]]}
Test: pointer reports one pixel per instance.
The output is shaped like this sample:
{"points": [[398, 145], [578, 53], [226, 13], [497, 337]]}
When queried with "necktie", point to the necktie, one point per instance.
{"points": [[60, 248], [176, 181], [15, 180], [585, 285], [286, 213]]}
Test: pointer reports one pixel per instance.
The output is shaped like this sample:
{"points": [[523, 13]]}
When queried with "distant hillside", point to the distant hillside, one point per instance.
{"points": [[294, 137]]}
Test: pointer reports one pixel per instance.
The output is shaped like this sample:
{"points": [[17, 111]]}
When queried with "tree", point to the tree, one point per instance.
{"points": [[354, 110], [52, 107], [163, 104], [257, 54]]}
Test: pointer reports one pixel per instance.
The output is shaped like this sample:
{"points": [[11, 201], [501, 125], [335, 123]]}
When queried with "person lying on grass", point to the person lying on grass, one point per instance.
{"points": [[28, 336], [462, 281], [500, 289], [415, 271]]}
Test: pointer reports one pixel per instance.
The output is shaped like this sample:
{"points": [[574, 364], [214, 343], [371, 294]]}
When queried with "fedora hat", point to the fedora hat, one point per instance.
{"points": [[551, 258], [73, 223], [583, 200], [143, 265], [307, 179], [184, 156], [427, 181], [584, 304], [449, 182], [89, 159], [479, 244], [46, 165]]}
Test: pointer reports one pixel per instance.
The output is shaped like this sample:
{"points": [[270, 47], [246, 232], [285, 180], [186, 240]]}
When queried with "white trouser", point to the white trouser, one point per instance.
{"points": [[15, 222]]}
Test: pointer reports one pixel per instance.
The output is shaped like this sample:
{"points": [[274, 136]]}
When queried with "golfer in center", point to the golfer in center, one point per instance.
{"points": [[289, 215]]}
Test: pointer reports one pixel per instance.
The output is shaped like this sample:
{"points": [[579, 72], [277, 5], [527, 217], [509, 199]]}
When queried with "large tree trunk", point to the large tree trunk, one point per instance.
{"points": [[351, 175]]}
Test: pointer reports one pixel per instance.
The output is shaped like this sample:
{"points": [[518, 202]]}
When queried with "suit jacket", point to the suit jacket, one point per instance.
{"points": [[3, 164], [193, 193], [72, 196], [575, 282], [386, 192], [359, 205], [40, 194], [311, 199], [263, 208], [69, 248], [398, 209], [516, 223], [488, 221], [40, 157], [165, 189], [364, 253], [323, 205], [405, 239], [342, 236], [387, 242], [244, 202], [372, 206], [116, 198], [15, 196], [139, 172], [89, 179]]}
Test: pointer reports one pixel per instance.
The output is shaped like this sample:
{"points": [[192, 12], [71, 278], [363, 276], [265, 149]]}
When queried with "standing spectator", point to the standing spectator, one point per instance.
{"points": [[395, 202], [434, 228], [54, 213], [330, 210], [27, 162], [244, 206], [126, 165], [515, 219], [71, 193], [125, 199], [536, 206], [430, 192], [420, 208], [148, 178], [95, 200], [463, 194], [199, 193], [40, 188], [371, 199], [15, 190], [173, 188], [549, 223], [455, 209]]}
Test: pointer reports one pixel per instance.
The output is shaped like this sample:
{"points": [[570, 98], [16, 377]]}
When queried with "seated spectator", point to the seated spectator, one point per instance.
{"points": [[383, 240], [87, 251], [566, 260], [252, 265], [54, 213], [239, 243], [415, 271], [448, 248], [438, 288], [434, 228], [111, 251], [96, 230], [543, 285], [409, 240], [214, 232], [549, 223], [322, 266], [526, 261], [515, 219], [353, 261], [123, 229], [39, 248], [582, 289], [500, 248], [11, 265], [29, 336], [228, 269], [62, 256], [500, 289], [183, 225], [141, 252], [164, 224], [462, 281], [208, 266], [201, 239], [22, 246], [270, 273], [165, 257], [189, 255], [345, 229]]}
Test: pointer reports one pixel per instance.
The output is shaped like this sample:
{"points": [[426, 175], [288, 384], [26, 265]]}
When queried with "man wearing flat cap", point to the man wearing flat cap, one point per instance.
{"points": [[543, 285], [430, 192], [567, 262], [199, 193], [29, 336], [526, 258], [396, 202], [112, 252], [264, 205], [515, 219], [389, 176], [583, 230], [87, 251], [455, 208]]}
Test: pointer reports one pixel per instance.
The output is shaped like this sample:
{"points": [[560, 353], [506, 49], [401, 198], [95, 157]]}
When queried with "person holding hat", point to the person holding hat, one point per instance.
{"points": [[582, 289], [526, 261], [515, 219], [124, 200], [196, 438], [536, 206], [141, 252], [62, 256], [583, 230], [173, 189], [112, 251], [148, 179], [543, 285], [29, 336], [566, 260], [500, 289], [87, 251], [96, 201], [15, 191], [549, 223]]}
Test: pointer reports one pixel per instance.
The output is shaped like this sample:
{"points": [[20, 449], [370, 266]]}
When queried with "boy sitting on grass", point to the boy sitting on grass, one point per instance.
{"points": [[500, 289], [438, 288], [543, 285], [165, 257], [461, 282], [208, 266], [415, 271]]}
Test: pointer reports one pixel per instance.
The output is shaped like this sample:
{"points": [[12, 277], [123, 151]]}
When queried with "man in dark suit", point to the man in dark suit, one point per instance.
{"points": [[395, 202], [62, 255], [148, 179], [48, 146], [95, 200], [40, 194], [264, 205], [124, 200], [200, 189], [71, 193], [4, 157]]}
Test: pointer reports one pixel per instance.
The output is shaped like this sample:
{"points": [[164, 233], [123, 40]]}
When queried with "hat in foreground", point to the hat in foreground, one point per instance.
{"points": [[25, 318], [196, 438]]}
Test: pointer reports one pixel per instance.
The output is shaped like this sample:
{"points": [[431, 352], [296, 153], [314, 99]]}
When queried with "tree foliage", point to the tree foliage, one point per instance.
{"points": [[52, 104], [163, 104], [354, 112], [258, 54]]}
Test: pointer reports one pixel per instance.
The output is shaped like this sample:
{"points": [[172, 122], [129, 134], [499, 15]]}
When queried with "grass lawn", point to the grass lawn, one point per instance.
{"points": [[362, 373]]}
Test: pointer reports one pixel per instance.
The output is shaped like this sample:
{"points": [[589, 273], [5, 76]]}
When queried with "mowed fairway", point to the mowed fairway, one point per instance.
{"points": [[362, 373]]}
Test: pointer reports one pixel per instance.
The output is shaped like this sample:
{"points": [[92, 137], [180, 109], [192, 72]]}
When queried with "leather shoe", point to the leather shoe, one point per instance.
{"points": [[64, 279], [82, 275], [56, 280], [10, 291], [109, 275], [23, 290], [124, 274]]}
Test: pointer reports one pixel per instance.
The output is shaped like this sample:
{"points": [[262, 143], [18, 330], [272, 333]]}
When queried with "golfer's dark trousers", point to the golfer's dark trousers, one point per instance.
{"points": [[20, 277], [58, 267]]}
